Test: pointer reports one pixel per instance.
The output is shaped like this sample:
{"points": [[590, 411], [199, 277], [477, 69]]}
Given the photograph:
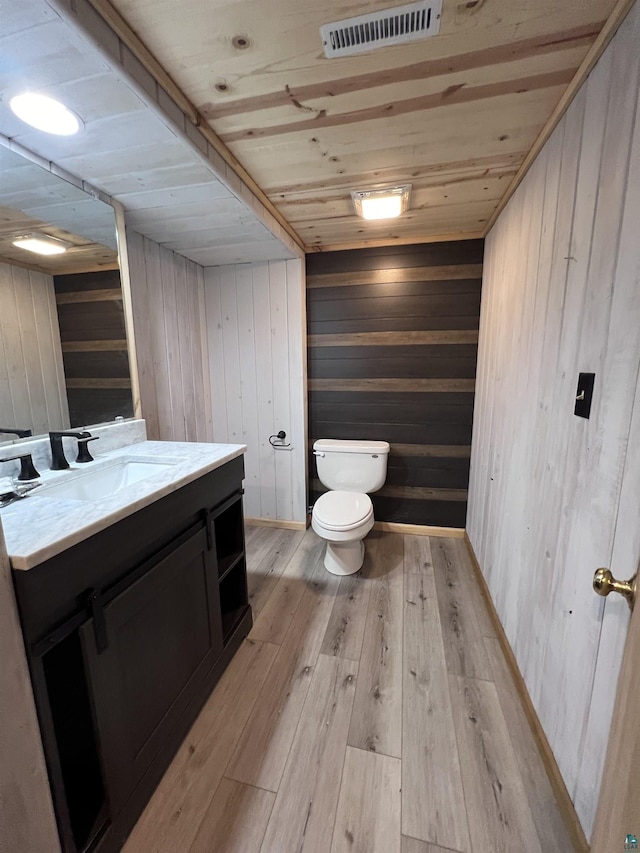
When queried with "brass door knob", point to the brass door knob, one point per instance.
{"points": [[604, 583]]}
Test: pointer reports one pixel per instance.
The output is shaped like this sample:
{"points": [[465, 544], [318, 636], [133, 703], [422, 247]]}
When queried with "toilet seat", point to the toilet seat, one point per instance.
{"points": [[342, 511]]}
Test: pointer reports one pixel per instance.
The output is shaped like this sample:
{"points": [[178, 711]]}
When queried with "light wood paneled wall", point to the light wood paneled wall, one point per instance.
{"points": [[562, 295], [32, 388], [27, 821], [167, 297], [257, 363]]}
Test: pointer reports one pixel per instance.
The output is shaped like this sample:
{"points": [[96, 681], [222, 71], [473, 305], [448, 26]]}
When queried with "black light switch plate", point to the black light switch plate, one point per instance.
{"points": [[584, 394]]}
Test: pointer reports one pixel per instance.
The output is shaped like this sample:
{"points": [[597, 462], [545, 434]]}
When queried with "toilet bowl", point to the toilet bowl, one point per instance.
{"points": [[343, 519], [344, 515]]}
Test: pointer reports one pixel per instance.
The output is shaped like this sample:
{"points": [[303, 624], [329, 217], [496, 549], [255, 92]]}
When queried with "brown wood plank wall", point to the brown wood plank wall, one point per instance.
{"points": [[94, 346], [392, 347]]}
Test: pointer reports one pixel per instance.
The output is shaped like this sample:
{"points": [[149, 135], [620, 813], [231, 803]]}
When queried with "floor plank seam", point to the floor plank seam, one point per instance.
{"points": [[250, 714], [204, 814], [453, 723], [374, 752], [471, 677], [302, 710], [428, 843], [248, 784], [344, 758], [514, 745], [456, 735]]}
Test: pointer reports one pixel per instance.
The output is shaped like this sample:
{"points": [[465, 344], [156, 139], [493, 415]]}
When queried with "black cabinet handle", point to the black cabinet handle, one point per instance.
{"points": [[207, 517], [99, 623]]}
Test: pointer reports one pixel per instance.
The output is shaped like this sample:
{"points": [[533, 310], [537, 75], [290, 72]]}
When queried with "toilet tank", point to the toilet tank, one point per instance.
{"points": [[351, 466]]}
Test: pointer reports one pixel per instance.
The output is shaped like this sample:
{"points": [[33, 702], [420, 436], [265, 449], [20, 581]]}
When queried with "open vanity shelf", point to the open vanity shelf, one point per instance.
{"points": [[228, 532], [127, 633]]}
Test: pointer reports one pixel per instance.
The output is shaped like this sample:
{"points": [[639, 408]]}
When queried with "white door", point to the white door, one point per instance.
{"points": [[625, 560], [618, 820]]}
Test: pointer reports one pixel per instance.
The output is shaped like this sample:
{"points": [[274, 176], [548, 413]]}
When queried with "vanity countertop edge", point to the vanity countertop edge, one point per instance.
{"points": [[40, 527]]}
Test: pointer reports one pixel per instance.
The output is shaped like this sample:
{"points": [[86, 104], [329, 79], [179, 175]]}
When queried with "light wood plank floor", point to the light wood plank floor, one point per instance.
{"points": [[371, 714]]}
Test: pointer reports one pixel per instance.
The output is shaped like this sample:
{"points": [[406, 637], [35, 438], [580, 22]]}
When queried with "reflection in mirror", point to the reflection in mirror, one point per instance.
{"points": [[63, 348]]}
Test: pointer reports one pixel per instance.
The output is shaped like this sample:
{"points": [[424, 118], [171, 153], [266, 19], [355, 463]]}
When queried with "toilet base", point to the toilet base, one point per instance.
{"points": [[344, 558]]}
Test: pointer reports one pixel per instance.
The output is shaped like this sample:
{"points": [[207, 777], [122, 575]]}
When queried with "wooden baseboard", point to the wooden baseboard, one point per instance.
{"points": [[420, 529], [562, 795], [277, 522]]}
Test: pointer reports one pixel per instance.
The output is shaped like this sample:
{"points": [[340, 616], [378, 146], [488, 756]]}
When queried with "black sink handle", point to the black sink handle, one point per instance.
{"points": [[83, 450], [20, 433], [27, 468]]}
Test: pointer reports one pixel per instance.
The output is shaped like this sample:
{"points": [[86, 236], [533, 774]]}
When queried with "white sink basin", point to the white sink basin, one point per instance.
{"points": [[92, 485]]}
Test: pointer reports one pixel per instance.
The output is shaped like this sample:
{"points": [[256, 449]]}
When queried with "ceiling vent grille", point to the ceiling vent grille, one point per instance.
{"points": [[400, 25]]}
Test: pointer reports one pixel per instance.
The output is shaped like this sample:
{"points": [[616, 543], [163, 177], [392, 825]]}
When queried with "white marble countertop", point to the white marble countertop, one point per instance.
{"points": [[39, 527]]}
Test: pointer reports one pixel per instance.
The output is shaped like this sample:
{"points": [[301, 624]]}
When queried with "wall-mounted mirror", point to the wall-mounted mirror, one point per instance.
{"points": [[63, 349]]}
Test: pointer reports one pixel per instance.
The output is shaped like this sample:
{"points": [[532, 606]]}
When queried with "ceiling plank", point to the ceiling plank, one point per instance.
{"points": [[429, 174], [449, 96], [372, 243]]}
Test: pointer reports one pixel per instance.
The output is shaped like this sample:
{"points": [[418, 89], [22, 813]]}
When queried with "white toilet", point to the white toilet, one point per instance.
{"points": [[344, 515]]}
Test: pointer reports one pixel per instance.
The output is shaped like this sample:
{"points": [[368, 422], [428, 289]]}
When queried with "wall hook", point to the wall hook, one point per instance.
{"points": [[280, 437]]}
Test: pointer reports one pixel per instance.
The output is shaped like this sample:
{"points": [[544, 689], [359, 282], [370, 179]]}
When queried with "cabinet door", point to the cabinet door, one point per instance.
{"points": [[163, 636]]}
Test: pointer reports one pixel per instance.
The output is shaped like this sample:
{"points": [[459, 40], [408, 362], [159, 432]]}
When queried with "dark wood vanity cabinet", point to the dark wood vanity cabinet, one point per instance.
{"points": [[127, 633], [161, 637]]}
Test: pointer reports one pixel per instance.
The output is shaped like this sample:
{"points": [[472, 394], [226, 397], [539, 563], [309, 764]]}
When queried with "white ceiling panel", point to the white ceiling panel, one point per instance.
{"points": [[177, 196], [216, 237], [167, 232], [225, 210], [170, 178], [237, 253], [100, 95], [13, 15], [124, 139], [108, 162], [45, 56]]}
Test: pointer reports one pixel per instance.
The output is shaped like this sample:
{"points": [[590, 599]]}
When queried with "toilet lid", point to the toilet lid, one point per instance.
{"points": [[342, 510]]}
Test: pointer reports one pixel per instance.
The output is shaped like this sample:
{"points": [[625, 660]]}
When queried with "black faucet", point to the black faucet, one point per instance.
{"points": [[83, 449], [58, 459], [21, 433], [27, 468]]}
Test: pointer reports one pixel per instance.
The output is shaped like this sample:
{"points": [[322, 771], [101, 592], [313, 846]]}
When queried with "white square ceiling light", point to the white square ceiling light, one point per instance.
{"points": [[41, 244], [381, 204]]}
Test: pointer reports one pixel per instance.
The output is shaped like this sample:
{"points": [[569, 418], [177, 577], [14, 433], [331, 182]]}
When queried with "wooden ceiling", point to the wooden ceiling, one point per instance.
{"points": [[454, 115]]}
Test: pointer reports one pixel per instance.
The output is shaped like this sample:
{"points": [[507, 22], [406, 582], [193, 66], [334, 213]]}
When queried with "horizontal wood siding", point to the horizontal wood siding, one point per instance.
{"points": [[92, 329], [392, 346]]}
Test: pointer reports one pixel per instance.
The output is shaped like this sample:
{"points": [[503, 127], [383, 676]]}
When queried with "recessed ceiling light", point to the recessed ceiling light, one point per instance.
{"points": [[45, 113], [41, 244], [381, 204]]}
